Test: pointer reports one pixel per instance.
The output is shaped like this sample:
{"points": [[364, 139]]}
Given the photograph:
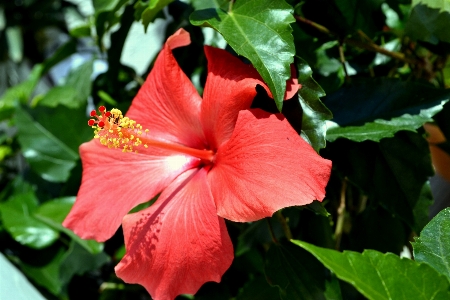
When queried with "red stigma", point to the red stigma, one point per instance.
{"points": [[101, 124], [93, 113], [107, 114], [91, 122], [102, 108]]}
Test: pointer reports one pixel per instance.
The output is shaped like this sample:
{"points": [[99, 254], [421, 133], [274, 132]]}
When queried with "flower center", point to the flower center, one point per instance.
{"points": [[116, 131]]}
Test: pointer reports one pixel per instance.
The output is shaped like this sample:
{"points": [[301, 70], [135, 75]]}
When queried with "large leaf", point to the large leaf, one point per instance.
{"points": [[47, 154], [315, 113], [376, 108], [14, 285], [18, 220], [383, 276], [433, 245], [294, 272], [258, 30], [53, 214]]}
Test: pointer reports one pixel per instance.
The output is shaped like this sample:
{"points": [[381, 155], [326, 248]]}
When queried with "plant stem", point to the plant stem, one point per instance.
{"points": [[367, 45], [272, 234], [341, 215], [284, 225]]}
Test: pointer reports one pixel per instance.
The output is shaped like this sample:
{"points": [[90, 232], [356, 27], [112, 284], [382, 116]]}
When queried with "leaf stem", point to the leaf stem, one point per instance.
{"points": [[284, 225], [341, 216], [272, 234], [364, 44]]}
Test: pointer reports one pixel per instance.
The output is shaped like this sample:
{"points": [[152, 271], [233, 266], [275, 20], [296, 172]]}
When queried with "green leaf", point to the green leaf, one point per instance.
{"points": [[372, 109], [315, 113], [79, 79], [148, 11], [48, 275], [59, 95], [258, 288], [18, 220], [422, 207], [258, 30], [78, 261], [53, 214], [14, 285], [383, 276], [429, 21], [318, 208], [294, 272], [104, 5], [46, 154], [433, 245], [380, 128]]}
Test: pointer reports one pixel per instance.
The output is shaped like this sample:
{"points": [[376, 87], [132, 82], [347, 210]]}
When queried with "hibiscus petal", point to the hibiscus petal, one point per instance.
{"points": [[230, 88], [177, 244], [168, 104], [114, 182], [265, 166]]}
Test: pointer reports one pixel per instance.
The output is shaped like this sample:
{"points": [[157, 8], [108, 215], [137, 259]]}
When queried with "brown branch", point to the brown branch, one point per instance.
{"points": [[367, 45]]}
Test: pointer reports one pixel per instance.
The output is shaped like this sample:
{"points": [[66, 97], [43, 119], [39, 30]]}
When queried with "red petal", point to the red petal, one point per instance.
{"points": [[265, 166], [114, 182], [168, 104], [177, 244], [230, 88]]}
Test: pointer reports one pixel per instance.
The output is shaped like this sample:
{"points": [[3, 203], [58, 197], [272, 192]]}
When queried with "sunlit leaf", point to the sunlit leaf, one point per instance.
{"points": [[258, 30], [383, 276], [433, 245]]}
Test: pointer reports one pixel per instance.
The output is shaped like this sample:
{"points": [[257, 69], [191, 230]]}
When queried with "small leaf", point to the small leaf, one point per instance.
{"points": [[104, 5], [258, 30], [53, 214], [383, 276], [18, 220], [79, 79], [147, 11], [315, 113], [318, 208], [422, 207], [14, 285], [46, 154], [59, 95], [433, 245], [294, 272]]}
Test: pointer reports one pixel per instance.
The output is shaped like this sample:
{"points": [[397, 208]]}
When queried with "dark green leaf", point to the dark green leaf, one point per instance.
{"points": [[62, 53], [104, 5], [314, 112], [433, 245], [374, 108], [422, 207], [53, 214], [46, 154], [429, 21], [14, 285], [318, 208], [333, 289], [383, 276], [78, 261], [48, 275], [258, 288], [18, 220], [294, 272], [79, 79], [258, 30], [59, 95]]}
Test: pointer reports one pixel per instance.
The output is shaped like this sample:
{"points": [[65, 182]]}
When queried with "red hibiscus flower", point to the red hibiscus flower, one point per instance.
{"points": [[210, 159]]}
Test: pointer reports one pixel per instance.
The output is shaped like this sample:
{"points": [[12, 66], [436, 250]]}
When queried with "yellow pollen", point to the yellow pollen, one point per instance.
{"points": [[118, 131]]}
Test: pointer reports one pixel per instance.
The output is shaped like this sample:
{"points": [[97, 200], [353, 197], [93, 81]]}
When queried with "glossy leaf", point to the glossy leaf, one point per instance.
{"points": [[380, 128], [383, 276], [53, 214], [296, 275], [19, 221], [46, 154], [14, 285], [433, 245], [315, 113], [258, 30], [372, 109]]}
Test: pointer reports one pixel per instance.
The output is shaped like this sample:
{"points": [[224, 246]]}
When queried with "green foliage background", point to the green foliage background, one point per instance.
{"points": [[372, 73]]}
